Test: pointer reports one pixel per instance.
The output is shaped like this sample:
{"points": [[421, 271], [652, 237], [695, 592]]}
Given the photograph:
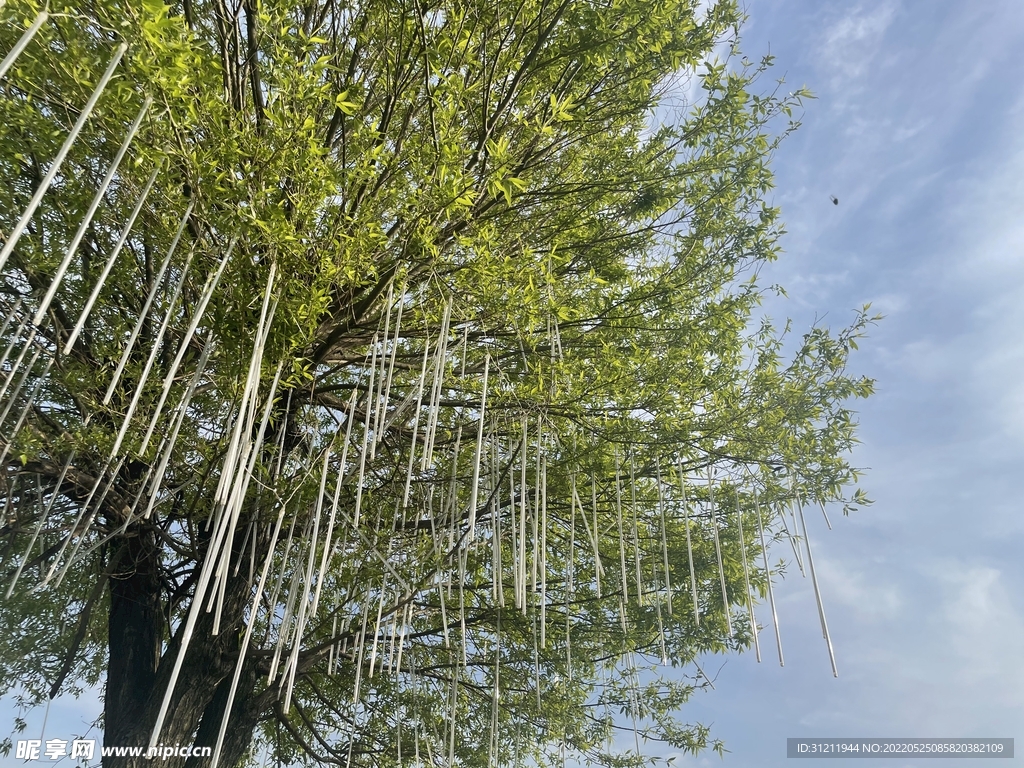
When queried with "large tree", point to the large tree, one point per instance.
{"points": [[379, 381]]}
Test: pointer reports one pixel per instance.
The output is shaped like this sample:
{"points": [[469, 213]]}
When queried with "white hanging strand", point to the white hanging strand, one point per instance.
{"points": [[23, 42], [746, 577], [479, 449], [535, 517], [304, 607], [768, 575], [622, 535], [145, 307], [21, 357], [24, 411], [817, 595], [84, 529], [438, 384], [175, 429], [793, 536], [70, 343], [718, 554], [592, 537], [543, 550], [153, 353], [10, 347], [200, 592], [21, 383], [248, 633], [598, 565], [636, 534], [44, 185], [7, 322], [664, 537], [383, 402], [378, 411], [823, 512], [523, 502], [416, 422], [689, 547], [87, 220], [197, 316], [359, 651]]}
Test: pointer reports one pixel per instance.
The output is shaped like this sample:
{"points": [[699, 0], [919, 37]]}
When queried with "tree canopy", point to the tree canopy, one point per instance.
{"points": [[380, 380]]}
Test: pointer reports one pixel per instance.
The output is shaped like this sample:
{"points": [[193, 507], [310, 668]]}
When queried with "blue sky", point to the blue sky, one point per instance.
{"points": [[917, 130]]}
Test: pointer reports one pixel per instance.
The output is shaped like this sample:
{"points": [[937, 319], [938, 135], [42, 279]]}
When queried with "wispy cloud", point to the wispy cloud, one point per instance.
{"points": [[850, 44]]}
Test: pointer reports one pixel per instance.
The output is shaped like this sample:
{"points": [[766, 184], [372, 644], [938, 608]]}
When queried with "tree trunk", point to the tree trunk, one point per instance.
{"points": [[138, 675], [135, 634]]}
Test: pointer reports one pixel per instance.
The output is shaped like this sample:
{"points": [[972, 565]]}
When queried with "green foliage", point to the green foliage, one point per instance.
{"points": [[496, 170]]}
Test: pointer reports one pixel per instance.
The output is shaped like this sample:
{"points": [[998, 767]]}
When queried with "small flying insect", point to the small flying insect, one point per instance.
{"points": [[834, 199]]}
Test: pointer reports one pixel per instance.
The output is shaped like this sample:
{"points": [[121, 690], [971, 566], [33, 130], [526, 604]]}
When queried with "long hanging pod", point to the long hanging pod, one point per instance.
{"points": [[387, 363], [245, 639], [598, 565], [664, 537], [416, 421], [592, 537], [240, 478], [367, 423], [746, 577], [437, 386], [570, 576], [23, 42], [21, 358], [101, 280], [817, 595], [635, 531], [689, 546], [211, 285], [45, 514], [145, 307], [790, 534], [7, 322], [768, 575], [88, 522], [535, 517], [622, 536], [285, 628], [8, 319], [497, 533], [176, 428], [15, 234], [202, 584], [479, 449], [148, 367], [544, 551], [823, 512], [304, 606], [718, 554], [523, 502], [24, 410], [87, 219], [53, 498], [17, 387], [245, 478]]}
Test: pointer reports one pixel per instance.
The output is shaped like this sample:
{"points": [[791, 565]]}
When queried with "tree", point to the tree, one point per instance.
{"points": [[378, 383]]}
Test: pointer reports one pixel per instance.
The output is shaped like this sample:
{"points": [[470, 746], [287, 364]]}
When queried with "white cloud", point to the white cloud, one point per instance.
{"points": [[848, 46], [854, 592], [984, 628]]}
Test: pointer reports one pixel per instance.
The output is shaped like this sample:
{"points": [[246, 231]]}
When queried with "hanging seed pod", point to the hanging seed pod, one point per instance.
{"points": [[23, 42], [15, 234], [746, 577], [718, 554]]}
